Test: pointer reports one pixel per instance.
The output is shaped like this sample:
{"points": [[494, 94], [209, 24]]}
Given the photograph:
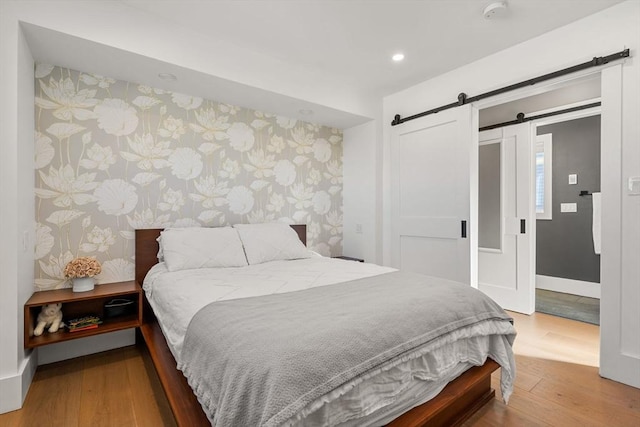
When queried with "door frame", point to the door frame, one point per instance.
{"points": [[540, 88], [615, 363], [532, 227]]}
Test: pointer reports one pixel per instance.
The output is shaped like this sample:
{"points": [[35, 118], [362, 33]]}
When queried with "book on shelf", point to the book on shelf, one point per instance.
{"points": [[84, 328], [81, 323]]}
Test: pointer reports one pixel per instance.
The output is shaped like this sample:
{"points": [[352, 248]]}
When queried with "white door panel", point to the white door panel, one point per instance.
{"points": [[431, 256], [505, 274], [421, 162], [496, 277], [443, 228], [511, 226], [434, 165]]}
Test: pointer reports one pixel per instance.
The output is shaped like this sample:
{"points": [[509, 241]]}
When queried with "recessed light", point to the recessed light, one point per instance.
{"points": [[305, 112], [167, 76], [398, 57]]}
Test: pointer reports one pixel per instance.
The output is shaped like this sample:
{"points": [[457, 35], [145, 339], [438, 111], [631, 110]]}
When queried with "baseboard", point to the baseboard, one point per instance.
{"points": [[568, 286], [30, 365], [13, 389], [84, 346]]}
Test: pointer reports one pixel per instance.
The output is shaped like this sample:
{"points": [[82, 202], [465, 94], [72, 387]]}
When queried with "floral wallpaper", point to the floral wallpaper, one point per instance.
{"points": [[113, 156]]}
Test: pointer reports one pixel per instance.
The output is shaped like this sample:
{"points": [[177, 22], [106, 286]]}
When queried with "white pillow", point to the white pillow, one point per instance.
{"points": [[199, 247], [160, 251], [270, 242]]}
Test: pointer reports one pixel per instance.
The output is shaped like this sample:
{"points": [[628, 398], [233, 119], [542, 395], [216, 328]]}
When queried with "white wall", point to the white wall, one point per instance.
{"points": [[17, 210], [360, 145], [25, 201], [606, 32]]}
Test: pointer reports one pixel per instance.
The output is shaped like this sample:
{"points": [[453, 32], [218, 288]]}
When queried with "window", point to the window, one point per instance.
{"points": [[543, 176], [489, 197], [539, 181]]}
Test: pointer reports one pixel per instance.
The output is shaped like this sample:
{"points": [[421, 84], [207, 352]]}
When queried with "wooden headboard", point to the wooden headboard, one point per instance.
{"points": [[147, 248]]}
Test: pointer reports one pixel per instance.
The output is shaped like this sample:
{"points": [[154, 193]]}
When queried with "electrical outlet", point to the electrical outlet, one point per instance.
{"points": [[358, 228]]}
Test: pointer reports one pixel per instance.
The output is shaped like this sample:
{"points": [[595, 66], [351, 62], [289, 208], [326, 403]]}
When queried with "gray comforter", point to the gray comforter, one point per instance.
{"points": [[258, 361]]}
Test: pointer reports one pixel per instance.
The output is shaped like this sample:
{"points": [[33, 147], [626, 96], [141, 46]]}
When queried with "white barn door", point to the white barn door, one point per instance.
{"points": [[505, 258], [434, 171]]}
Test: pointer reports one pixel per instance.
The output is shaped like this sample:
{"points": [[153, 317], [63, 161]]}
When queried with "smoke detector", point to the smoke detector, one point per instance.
{"points": [[495, 10]]}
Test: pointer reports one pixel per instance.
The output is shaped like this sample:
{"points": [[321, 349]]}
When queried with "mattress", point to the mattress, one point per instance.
{"points": [[177, 296]]}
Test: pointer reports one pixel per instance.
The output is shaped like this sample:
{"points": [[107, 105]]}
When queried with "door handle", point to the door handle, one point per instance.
{"points": [[523, 226], [463, 229]]}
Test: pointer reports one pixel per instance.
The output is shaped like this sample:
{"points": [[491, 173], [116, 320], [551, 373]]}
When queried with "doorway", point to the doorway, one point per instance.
{"points": [[515, 174], [568, 206]]}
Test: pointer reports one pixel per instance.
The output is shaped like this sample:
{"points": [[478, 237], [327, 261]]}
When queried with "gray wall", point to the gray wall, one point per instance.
{"points": [[564, 245]]}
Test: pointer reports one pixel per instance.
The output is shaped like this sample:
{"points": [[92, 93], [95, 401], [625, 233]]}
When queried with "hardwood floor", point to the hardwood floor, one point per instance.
{"points": [[557, 381], [114, 388], [557, 384]]}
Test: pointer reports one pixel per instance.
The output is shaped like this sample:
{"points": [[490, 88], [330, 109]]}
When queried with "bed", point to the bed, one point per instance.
{"points": [[468, 388]]}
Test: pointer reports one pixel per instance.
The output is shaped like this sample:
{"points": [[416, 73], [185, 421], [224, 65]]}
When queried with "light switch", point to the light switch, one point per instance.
{"points": [[634, 185], [573, 179], [568, 207]]}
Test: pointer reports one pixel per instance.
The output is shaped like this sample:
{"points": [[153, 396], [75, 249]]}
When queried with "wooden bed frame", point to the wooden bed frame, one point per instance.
{"points": [[459, 400]]}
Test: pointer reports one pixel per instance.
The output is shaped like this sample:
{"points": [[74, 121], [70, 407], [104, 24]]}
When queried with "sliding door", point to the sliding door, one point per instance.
{"points": [[434, 168], [505, 254]]}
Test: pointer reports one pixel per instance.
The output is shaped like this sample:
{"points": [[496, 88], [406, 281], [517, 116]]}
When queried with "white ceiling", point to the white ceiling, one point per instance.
{"points": [[353, 40], [341, 43]]}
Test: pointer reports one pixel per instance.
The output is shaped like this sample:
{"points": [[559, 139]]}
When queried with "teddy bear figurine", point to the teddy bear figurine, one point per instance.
{"points": [[51, 314]]}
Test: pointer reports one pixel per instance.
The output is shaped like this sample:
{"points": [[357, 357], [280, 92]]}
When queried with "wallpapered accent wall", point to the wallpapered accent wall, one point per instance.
{"points": [[113, 156]]}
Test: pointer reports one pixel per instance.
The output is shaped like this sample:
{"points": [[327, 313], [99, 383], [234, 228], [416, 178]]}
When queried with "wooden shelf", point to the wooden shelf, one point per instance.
{"points": [[78, 304]]}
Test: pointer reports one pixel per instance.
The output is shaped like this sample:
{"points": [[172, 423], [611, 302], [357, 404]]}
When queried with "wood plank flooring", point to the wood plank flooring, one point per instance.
{"points": [[113, 388], [557, 384], [557, 381]]}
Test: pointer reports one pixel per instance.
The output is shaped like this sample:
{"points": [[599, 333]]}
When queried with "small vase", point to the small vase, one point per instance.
{"points": [[83, 284]]}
